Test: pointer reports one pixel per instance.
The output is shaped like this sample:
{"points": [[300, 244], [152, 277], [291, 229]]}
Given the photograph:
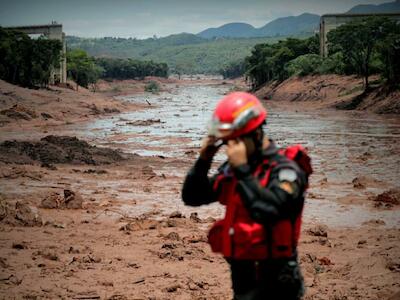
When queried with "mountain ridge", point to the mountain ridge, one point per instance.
{"points": [[388, 7], [304, 23], [291, 25]]}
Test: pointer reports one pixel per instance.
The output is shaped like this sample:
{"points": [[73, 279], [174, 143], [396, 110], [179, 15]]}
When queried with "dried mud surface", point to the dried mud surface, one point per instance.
{"points": [[83, 217]]}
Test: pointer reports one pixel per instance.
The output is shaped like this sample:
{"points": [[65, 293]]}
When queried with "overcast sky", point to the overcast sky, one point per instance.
{"points": [[145, 18]]}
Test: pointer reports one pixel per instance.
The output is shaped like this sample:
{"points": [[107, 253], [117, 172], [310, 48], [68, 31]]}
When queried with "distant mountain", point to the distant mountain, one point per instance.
{"points": [[390, 7], [181, 39], [234, 30], [302, 24], [290, 26]]}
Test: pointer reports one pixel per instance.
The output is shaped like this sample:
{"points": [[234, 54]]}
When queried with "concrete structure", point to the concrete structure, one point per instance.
{"points": [[331, 21], [51, 31]]}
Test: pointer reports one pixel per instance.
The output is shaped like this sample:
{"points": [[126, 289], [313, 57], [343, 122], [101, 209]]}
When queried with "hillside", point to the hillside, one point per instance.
{"points": [[229, 30], [303, 24], [337, 91], [390, 7], [293, 25], [186, 53]]}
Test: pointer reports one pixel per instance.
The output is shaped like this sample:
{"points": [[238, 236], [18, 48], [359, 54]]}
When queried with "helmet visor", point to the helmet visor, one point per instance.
{"points": [[223, 130]]}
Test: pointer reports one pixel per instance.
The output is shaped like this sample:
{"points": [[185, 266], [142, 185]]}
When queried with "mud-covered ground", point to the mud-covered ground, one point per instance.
{"points": [[92, 210]]}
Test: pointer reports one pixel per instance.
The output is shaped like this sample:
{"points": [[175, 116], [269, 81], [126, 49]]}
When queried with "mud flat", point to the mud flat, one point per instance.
{"points": [[92, 210]]}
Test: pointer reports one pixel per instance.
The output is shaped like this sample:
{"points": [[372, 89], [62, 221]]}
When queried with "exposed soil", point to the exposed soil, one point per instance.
{"points": [[56, 150], [53, 106], [342, 92], [85, 218]]}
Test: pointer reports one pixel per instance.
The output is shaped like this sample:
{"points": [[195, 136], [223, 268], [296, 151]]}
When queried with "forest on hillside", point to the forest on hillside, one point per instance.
{"points": [[183, 53]]}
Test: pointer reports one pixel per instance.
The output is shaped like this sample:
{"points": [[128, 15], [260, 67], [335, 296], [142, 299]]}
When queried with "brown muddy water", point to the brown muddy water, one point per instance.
{"points": [[343, 146]]}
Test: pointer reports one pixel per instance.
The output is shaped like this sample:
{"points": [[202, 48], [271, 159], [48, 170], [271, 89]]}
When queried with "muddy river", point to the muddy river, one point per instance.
{"points": [[343, 145]]}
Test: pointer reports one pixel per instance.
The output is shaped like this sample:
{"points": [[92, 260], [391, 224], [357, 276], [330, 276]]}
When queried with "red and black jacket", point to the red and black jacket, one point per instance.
{"points": [[262, 220]]}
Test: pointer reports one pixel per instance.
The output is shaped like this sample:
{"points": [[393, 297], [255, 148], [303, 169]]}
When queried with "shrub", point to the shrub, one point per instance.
{"points": [[304, 65], [333, 64], [152, 87]]}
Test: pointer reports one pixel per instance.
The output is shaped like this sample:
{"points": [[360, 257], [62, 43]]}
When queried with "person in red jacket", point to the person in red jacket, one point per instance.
{"points": [[263, 189]]}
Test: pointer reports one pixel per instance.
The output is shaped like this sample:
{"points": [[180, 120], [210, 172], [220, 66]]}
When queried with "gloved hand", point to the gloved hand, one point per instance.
{"points": [[208, 148], [236, 152]]}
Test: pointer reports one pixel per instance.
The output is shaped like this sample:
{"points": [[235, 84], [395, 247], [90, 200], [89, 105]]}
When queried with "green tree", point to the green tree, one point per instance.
{"points": [[389, 53], [82, 68], [357, 40], [46, 56], [268, 61], [131, 68], [233, 69], [25, 61], [304, 65]]}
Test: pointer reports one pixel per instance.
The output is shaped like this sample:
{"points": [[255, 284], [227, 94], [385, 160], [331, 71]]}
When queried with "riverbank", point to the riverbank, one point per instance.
{"points": [[334, 91], [100, 216]]}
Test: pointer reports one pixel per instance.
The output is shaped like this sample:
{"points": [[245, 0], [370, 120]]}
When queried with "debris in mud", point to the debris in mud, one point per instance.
{"points": [[136, 225], [10, 279], [319, 230], [49, 166], [50, 255], [147, 122], [190, 153], [22, 214], [148, 171], [195, 217], [93, 171], [324, 181], [87, 295], [387, 199], [69, 199], [325, 261], [173, 236], [53, 200], [16, 172], [197, 285], [46, 116], [172, 288], [106, 283], [365, 156], [19, 246], [19, 112], [57, 149], [361, 182], [357, 183], [176, 214], [393, 266], [88, 259], [111, 110], [374, 222], [72, 199], [139, 280], [146, 189]]}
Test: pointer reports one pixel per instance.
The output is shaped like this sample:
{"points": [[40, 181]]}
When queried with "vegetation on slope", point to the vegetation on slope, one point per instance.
{"points": [[183, 53], [25, 61], [362, 47]]}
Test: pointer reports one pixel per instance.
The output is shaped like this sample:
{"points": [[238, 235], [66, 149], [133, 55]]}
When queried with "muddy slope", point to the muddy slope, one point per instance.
{"points": [[53, 105], [342, 92]]}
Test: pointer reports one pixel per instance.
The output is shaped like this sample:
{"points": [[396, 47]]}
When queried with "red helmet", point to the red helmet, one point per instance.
{"points": [[236, 114]]}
